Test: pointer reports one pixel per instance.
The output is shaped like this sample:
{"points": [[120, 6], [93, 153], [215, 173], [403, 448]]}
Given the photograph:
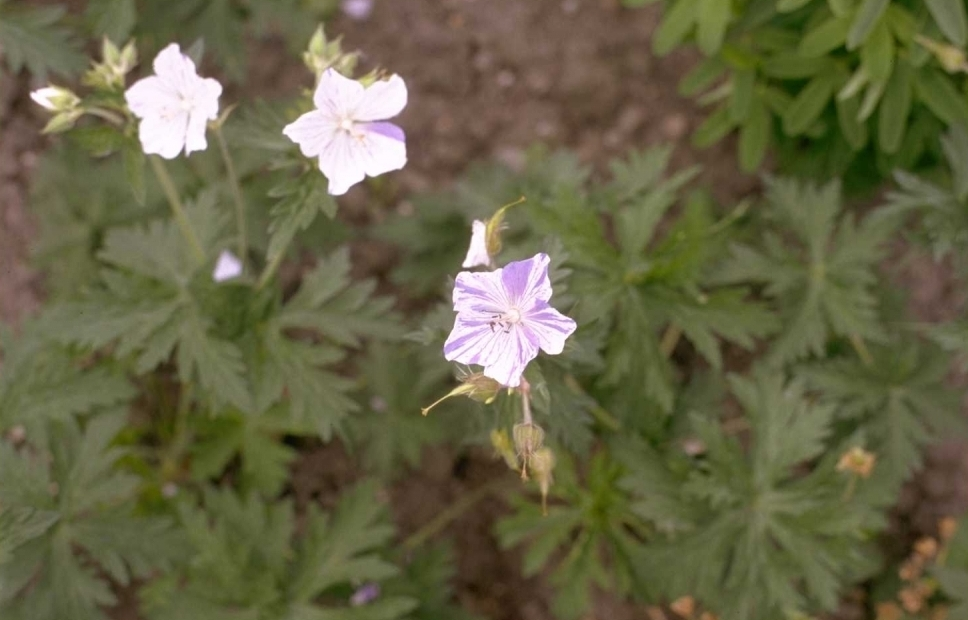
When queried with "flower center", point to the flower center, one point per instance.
{"points": [[512, 316], [505, 321], [346, 124]]}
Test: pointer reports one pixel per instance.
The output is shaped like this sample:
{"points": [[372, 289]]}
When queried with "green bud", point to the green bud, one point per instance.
{"points": [[495, 226], [62, 121], [951, 58], [55, 99], [528, 438], [542, 466], [475, 386], [502, 445]]}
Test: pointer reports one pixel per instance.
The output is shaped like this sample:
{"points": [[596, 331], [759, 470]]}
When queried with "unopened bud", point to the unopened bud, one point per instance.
{"points": [[857, 461], [62, 122], [542, 466], [502, 445], [951, 58], [475, 386], [684, 606], [495, 226], [55, 98]]}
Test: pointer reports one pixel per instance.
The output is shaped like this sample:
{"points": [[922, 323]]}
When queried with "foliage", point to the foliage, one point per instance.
{"points": [[692, 440], [831, 85]]}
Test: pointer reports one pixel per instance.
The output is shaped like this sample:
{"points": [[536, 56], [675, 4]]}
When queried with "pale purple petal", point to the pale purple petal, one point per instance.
{"points": [[527, 281], [503, 353], [382, 100], [382, 148], [342, 163], [477, 252], [313, 131], [338, 95], [549, 327], [480, 293], [227, 267]]}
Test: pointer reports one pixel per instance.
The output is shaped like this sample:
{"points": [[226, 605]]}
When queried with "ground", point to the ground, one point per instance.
{"points": [[488, 78]]}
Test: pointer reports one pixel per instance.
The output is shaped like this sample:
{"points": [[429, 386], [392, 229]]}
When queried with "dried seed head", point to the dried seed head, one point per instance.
{"points": [[857, 461], [503, 448], [542, 465]]}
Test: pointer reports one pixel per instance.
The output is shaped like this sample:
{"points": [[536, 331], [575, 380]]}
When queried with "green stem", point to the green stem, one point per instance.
{"points": [[111, 117], [236, 195], [451, 513], [670, 339], [865, 355], [177, 209], [851, 487], [270, 269]]}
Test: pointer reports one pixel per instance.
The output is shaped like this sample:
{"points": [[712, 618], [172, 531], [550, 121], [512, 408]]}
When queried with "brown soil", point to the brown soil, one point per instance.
{"points": [[487, 78]]}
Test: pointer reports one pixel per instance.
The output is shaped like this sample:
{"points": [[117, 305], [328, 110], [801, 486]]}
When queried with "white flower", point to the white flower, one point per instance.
{"points": [[174, 105], [477, 254], [54, 98], [346, 131], [357, 9], [227, 267]]}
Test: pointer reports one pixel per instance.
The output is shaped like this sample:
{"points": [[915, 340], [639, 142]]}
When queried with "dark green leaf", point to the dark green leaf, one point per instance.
{"points": [[951, 19], [865, 20]]}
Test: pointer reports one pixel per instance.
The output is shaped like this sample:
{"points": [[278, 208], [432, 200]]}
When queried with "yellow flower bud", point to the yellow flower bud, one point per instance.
{"points": [[502, 445], [857, 461], [542, 465]]}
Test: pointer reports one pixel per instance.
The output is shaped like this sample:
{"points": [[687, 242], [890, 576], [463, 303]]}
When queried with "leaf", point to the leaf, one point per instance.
{"points": [[677, 21], [301, 200], [711, 23], [877, 53], [825, 38], [744, 83], [809, 104], [33, 38], [950, 17], [134, 169], [853, 130], [754, 137], [788, 6], [935, 91], [866, 18], [114, 19], [714, 128], [894, 110]]}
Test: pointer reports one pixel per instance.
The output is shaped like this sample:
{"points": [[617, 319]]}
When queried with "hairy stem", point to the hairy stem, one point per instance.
{"points": [[236, 196], [177, 208], [451, 513], [111, 117]]}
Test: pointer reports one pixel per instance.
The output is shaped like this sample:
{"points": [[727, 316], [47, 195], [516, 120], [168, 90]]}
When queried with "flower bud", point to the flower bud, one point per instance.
{"points": [[528, 437], [495, 226], [502, 445], [55, 98], [951, 58], [475, 386], [542, 465], [62, 121]]}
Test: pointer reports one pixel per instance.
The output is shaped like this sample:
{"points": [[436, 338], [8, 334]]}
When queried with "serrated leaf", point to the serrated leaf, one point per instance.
{"points": [[33, 38], [113, 19]]}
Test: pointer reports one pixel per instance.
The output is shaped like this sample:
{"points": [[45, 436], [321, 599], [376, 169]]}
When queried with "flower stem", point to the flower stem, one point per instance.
{"points": [[670, 338], [236, 196], [111, 117], [526, 401], [177, 209], [865, 355], [270, 269]]}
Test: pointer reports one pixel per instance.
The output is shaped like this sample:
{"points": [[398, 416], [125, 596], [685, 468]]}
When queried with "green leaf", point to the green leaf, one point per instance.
{"points": [[714, 128], [677, 22], [950, 17], [895, 108], [134, 169], [113, 19], [744, 83], [711, 24], [301, 200], [865, 20], [877, 53], [788, 6], [754, 137], [32, 37], [825, 38], [854, 131], [809, 104], [936, 91]]}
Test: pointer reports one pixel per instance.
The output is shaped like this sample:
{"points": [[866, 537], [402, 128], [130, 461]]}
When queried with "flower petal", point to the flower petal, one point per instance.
{"points": [[163, 136], [227, 267], [382, 100], [175, 68], [527, 281], [504, 354], [342, 163], [549, 327], [208, 90], [150, 95], [336, 94], [480, 293], [313, 131], [477, 252], [382, 148], [195, 133]]}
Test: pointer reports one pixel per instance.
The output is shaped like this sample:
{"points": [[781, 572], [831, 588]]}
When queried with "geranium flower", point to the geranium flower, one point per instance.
{"points": [[503, 318], [174, 105], [477, 252], [227, 267], [346, 131]]}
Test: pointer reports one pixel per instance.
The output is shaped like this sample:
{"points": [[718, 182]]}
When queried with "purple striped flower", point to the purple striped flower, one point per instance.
{"points": [[503, 318]]}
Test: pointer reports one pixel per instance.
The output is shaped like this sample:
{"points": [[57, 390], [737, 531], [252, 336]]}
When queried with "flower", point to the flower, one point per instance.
{"points": [[227, 267], [357, 9], [367, 593], [55, 98], [174, 105], [503, 318], [347, 131], [477, 254]]}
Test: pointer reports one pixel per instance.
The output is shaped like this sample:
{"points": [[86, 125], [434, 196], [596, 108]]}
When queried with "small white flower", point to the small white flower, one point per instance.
{"points": [[174, 105], [227, 267], [54, 98], [477, 253], [346, 131]]}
